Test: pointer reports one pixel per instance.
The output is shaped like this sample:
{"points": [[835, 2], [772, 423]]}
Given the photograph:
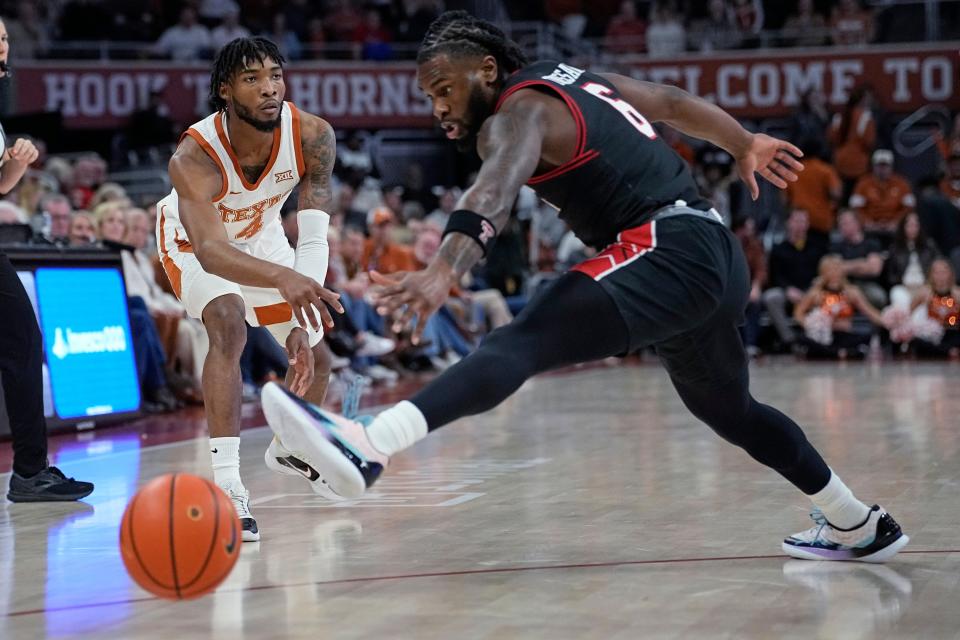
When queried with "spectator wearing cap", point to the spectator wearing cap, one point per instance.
{"points": [[381, 253], [882, 197], [816, 191], [950, 185]]}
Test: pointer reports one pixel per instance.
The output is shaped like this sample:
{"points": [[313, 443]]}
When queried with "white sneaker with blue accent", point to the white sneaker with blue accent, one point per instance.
{"points": [[330, 447], [281, 460], [876, 539], [240, 498]]}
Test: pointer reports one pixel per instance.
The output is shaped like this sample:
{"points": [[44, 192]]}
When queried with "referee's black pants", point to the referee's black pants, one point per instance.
{"points": [[21, 356]]}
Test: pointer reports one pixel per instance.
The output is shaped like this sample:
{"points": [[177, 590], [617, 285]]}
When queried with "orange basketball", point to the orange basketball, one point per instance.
{"points": [[180, 536]]}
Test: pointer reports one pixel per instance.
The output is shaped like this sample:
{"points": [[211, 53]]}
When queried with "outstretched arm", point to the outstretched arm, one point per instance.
{"points": [[754, 152], [509, 143]]}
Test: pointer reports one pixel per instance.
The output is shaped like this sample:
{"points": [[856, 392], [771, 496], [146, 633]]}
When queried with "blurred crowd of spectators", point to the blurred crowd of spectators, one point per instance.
{"points": [[868, 256], [195, 29], [665, 28], [384, 29]]}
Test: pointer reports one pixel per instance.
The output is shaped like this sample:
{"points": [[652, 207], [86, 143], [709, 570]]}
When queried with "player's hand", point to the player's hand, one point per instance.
{"points": [[306, 295], [406, 295], [23, 152], [775, 160], [300, 357]]}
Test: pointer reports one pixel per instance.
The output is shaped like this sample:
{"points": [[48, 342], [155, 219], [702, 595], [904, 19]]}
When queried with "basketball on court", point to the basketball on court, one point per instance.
{"points": [[179, 537]]}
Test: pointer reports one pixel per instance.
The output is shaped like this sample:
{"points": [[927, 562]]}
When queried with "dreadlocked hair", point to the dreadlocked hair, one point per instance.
{"points": [[459, 33], [235, 56]]}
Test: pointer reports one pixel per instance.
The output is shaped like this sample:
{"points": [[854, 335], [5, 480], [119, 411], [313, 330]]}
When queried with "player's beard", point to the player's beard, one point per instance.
{"points": [[247, 116], [478, 110]]}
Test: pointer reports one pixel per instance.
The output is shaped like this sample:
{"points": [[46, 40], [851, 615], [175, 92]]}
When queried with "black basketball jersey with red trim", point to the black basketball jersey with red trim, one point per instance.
{"points": [[621, 172]]}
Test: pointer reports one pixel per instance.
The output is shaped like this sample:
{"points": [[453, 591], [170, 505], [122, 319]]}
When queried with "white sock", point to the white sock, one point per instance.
{"points": [[397, 428], [225, 454], [839, 505]]}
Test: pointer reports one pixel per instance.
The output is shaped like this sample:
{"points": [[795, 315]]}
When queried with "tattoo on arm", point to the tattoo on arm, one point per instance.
{"points": [[460, 252], [510, 144], [320, 153]]}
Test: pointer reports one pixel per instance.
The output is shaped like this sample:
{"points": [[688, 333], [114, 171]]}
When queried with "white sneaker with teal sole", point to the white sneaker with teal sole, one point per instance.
{"points": [[334, 448], [877, 539]]}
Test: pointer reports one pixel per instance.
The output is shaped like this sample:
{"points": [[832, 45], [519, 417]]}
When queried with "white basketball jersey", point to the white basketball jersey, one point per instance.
{"points": [[244, 207]]}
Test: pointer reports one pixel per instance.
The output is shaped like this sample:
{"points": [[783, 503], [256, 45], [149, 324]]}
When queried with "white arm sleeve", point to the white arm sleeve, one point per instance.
{"points": [[313, 252]]}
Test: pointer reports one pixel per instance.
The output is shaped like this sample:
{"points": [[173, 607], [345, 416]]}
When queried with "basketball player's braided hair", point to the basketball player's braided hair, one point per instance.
{"points": [[458, 32], [235, 56]]}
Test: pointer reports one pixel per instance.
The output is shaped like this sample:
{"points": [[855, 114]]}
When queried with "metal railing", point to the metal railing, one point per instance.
{"points": [[919, 128]]}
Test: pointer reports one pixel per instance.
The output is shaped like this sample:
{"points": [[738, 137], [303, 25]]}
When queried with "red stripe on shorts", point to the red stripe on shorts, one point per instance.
{"points": [[630, 245]]}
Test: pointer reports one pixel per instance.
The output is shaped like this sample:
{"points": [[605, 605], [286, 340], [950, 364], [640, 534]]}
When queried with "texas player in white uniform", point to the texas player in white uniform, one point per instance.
{"points": [[223, 248]]}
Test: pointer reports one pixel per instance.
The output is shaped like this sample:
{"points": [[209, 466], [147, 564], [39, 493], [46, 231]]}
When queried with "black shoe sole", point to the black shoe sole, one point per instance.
{"points": [[39, 497]]}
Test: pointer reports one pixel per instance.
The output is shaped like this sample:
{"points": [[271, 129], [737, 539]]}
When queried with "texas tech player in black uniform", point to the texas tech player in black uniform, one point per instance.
{"points": [[617, 179], [669, 274]]}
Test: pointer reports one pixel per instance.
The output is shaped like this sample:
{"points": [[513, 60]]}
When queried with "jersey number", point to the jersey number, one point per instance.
{"points": [[632, 115]]}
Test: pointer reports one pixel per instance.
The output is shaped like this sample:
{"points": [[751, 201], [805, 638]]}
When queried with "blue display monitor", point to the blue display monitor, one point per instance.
{"points": [[86, 336], [89, 370]]}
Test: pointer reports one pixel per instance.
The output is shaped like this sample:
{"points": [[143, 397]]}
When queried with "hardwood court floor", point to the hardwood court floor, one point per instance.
{"points": [[590, 505]]}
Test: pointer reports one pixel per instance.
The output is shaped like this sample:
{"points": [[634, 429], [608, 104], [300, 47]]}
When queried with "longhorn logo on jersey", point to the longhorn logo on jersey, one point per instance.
{"points": [[254, 213]]}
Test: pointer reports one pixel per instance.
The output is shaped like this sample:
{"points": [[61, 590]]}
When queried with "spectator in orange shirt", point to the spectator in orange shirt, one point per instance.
{"points": [[381, 253], [882, 198], [853, 134], [950, 185], [816, 191]]}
